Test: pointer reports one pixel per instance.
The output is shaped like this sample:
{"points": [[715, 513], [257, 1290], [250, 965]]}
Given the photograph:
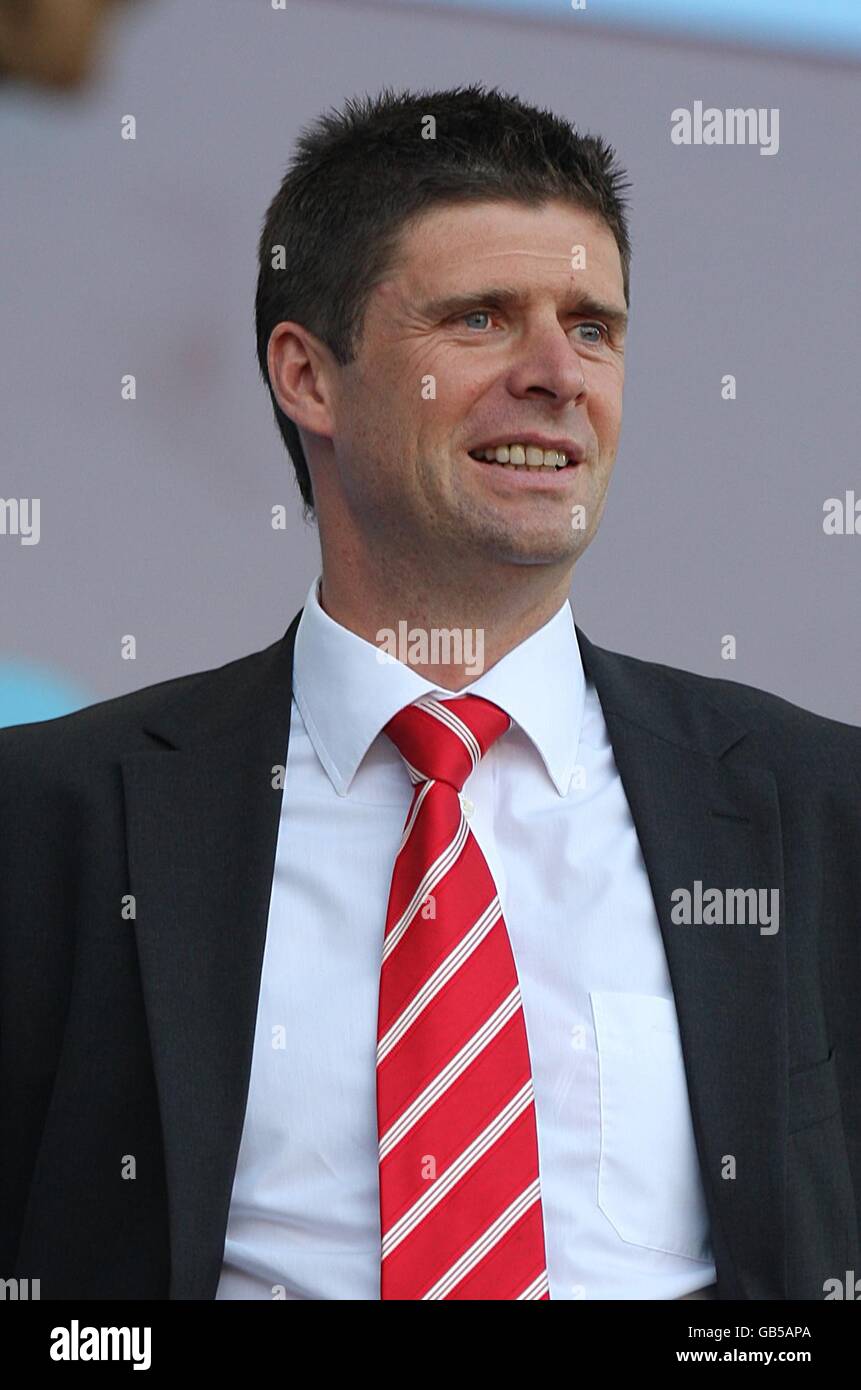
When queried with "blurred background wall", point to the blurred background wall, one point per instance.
{"points": [[138, 256]]}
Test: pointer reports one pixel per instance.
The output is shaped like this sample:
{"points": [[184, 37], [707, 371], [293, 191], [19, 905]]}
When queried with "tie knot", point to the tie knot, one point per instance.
{"points": [[444, 740]]}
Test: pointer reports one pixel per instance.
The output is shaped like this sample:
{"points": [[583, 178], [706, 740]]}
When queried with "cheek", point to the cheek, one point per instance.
{"points": [[375, 411], [461, 381], [605, 408]]}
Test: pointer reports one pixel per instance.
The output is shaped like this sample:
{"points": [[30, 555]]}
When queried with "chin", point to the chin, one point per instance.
{"points": [[521, 549]]}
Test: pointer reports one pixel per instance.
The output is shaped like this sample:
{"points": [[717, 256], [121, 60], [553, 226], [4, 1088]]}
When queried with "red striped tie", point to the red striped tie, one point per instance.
{"points": [[460, 1200]]}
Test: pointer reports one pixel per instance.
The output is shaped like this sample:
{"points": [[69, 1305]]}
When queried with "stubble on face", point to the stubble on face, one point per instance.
{"points": [[427, 386]]}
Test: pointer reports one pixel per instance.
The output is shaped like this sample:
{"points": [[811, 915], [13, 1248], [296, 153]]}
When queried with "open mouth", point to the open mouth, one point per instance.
{"points": [[526, 458]]}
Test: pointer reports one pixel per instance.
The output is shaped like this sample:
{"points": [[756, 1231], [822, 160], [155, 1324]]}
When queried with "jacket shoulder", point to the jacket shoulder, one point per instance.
{"points": [[752, 702], [115, 726], [780, 730]]}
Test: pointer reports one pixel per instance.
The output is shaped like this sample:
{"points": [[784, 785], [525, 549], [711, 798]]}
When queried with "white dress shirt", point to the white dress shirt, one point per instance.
{"points": [[624, 1212]]}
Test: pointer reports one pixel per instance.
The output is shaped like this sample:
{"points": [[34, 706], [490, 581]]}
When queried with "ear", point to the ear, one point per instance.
{"points": [[301, 372]]}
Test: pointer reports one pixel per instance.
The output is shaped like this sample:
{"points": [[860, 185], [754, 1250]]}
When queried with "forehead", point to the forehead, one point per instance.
{"points": [[460, 244]]}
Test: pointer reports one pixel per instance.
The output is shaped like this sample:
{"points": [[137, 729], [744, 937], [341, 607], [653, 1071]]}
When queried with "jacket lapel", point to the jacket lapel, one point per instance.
{"points": [[202, 826], [704, 812]]}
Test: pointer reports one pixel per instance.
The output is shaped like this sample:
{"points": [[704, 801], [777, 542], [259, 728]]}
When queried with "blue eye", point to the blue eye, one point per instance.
{"points": [[477, 313], [602, 330]]}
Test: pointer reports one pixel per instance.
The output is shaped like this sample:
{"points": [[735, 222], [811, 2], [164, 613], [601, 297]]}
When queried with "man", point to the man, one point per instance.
{"points": [[434, 951]]}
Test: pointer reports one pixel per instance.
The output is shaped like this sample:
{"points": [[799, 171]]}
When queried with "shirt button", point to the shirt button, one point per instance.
{"points": [[466, 805]]}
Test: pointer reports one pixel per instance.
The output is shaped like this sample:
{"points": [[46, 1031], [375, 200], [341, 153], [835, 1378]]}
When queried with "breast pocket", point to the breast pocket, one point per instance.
{"points": [[813, 1094], [649, 1184]]}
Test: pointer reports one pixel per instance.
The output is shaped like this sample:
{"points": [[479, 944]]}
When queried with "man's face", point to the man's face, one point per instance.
{"points": [[483, 334]]}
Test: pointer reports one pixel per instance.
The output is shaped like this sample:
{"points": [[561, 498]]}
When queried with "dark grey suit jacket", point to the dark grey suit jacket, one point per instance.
{"points": [[129, 1041]]}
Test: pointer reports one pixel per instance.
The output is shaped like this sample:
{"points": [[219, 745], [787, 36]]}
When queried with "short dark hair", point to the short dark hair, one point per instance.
{"points": [[360, 176]]}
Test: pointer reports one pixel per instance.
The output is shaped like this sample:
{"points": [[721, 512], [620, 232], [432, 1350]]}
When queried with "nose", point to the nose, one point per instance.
{"points": [[547, 365]]}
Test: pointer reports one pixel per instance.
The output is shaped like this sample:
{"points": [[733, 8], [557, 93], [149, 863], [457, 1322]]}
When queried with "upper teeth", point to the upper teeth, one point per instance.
{"points": [[519, 454]]}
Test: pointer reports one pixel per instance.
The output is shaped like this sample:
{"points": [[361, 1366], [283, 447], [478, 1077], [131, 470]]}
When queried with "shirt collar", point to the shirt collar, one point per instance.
{"points": [[347, 691]]}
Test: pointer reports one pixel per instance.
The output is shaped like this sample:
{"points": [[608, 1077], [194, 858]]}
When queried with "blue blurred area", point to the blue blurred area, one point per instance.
{"points": [[831, 26], [34, 692]]}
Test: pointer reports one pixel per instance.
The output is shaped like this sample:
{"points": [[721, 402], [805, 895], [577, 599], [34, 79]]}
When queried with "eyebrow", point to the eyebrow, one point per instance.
{"points": [[503, 297]]}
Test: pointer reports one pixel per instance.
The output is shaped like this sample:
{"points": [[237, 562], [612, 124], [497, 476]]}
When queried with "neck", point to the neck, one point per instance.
{"points": [[449, 632]]}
